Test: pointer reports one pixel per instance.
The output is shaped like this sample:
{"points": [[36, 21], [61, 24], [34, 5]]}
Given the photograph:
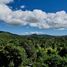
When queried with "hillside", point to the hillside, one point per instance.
{"points": [[32, 50]]}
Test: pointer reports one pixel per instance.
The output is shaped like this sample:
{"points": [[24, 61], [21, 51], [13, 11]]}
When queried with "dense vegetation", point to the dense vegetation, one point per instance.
{"points": [[32, 50]]}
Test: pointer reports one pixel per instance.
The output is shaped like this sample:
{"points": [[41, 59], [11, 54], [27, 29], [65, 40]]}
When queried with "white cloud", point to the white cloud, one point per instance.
{"points": [[23, 6], [33, 32], [61, 29], [5, 1], [35, 18]]}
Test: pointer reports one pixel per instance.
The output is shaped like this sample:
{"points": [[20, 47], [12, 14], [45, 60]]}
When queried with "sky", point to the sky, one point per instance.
{"points": [[34, 16]]}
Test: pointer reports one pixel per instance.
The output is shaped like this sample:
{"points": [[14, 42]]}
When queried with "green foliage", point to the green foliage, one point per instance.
{"points": [[32, 50]]}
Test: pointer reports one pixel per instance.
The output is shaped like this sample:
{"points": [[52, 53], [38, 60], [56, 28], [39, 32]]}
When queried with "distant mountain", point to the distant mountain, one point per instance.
{"points": [[32, 35], [8, 35]]}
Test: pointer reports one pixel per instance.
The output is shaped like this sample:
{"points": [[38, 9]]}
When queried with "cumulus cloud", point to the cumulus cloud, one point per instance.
{"points": [[35, 18], [33, 32], [5, 1]]}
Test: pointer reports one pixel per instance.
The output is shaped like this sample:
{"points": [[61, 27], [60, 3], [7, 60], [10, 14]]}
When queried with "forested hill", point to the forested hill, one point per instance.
{"points": [[8, 34], [32, 50]]}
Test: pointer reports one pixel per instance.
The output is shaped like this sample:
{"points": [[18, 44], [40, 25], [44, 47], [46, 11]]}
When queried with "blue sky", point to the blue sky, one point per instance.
{"points": [[47, 6]]}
